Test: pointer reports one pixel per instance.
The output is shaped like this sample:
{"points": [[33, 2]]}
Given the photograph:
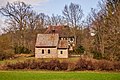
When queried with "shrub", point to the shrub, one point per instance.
{"points": [[64, 65], [32, 64], [71, 66], [83, 64], [42, 65], [5, 55], [117, 66], [90, 65], [21, 49], [2, 54], [80, 49], [97, 55], [53, 65], [104, 65]]}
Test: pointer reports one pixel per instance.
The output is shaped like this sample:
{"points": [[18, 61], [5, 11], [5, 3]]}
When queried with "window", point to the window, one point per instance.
{"points": [[60, 38], [42, 51], [71, 39], [53, 31], [48, 51], [65, 38], [61, 52]]}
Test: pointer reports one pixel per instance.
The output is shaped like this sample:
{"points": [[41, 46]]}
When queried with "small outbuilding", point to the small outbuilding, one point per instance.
{"points": [[50, 46]]}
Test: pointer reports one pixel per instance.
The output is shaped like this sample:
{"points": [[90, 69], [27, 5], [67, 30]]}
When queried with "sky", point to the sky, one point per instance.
{"points": [[56, 6], [53, 6]]}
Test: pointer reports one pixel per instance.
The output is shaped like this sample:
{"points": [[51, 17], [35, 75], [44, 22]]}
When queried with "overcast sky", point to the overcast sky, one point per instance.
{"points": [[53, 6]]}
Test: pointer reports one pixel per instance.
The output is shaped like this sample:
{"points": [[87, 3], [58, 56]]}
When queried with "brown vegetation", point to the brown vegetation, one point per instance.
{"points": [[80, 65], [23, 24]]}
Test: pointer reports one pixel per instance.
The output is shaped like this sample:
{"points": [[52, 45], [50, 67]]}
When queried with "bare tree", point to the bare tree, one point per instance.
{"points": [[21, 22], [17, 11], [73, 14], [106, 29], [55, 20]]}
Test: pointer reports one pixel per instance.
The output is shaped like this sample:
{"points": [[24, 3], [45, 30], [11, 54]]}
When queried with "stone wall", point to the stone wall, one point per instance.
{"points": [[52, 54], [62, 53]]}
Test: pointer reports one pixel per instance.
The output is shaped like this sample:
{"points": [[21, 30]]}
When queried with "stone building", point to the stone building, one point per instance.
{"points": [[64, 34], [49, 46], [54, 43]]}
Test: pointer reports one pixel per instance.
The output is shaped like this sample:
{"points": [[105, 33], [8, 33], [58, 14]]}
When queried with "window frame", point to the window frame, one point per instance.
{"points": [[48, 51], [61, 52], [42, 51]]}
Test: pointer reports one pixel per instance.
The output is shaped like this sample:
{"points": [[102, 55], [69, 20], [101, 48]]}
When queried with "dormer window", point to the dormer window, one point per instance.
{"points": [[71, 39]]}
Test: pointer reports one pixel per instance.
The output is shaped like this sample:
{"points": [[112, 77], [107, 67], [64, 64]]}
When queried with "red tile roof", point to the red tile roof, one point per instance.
{"points": [[57, 29], [63, 31]]}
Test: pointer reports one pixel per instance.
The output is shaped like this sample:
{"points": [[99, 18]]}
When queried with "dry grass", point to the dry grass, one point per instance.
{"points": [[22, 57]]}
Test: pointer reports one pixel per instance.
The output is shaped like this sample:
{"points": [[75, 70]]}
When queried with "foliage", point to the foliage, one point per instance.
{"points": [[116, 65], [23, 23], [5, 54], [21, 49], [55, 65], [101, 65], [105, 26], [32, 64], [83, 64], [80, 49], [97, 55]]}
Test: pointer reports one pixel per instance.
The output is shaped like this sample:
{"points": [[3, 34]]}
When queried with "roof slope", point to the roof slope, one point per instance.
{"points": [[63, 31], [63, 44], [47, 40]]}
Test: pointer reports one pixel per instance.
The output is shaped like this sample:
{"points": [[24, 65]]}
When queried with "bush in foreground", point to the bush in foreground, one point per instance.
{"points": [[5, 54], [80, 65], [83, 64], [32, 64]]}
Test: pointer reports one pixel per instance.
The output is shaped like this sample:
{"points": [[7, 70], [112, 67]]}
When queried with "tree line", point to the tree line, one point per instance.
{"points": [[106, 27], [23, 24]]}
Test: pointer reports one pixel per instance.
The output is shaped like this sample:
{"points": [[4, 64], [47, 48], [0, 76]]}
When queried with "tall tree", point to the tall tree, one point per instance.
{"points": [[17, 11], [73, 15], [55, 20], [21, 21], [106, 28]]}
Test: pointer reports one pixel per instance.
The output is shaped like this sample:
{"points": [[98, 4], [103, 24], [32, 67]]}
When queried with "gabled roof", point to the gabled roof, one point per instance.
{"points": [[56, 28], [63, 44], [47, 40], [63, 31]]}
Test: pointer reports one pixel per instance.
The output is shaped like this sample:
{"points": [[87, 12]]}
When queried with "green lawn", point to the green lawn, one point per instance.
{"points": [[58, 75]]}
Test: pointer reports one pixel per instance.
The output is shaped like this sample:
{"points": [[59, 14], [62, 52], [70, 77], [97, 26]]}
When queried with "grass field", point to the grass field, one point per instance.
{"points": [[55, 75]]}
